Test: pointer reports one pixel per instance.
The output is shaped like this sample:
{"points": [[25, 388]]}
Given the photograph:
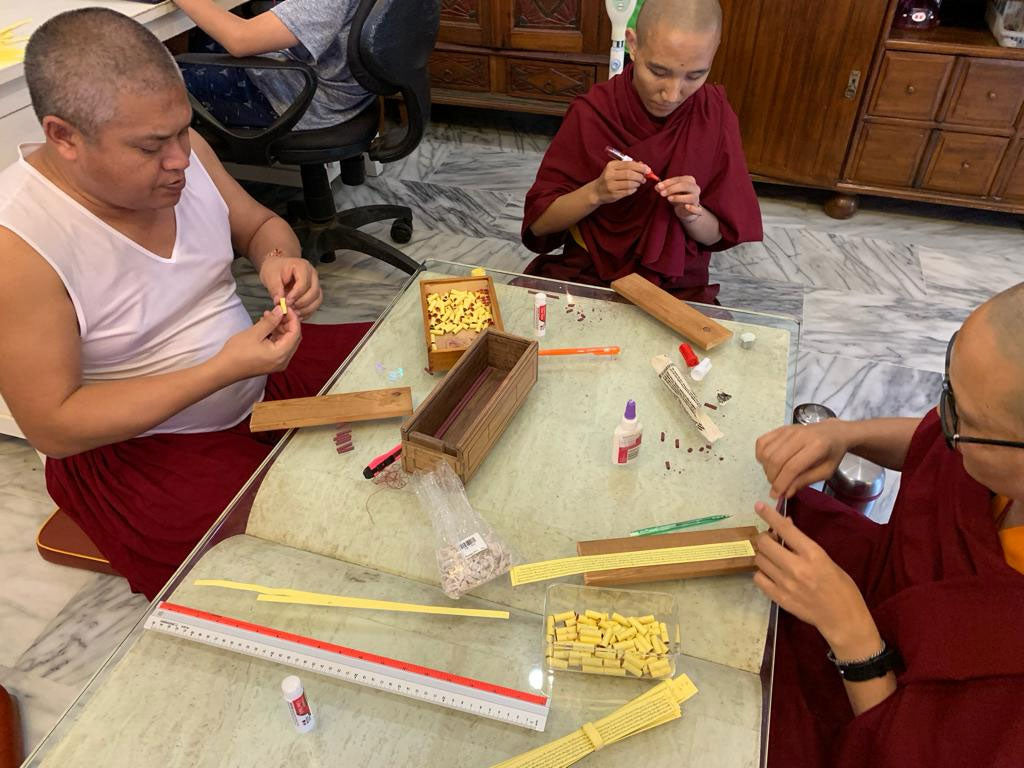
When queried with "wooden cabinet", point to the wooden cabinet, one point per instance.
{"points": [[794, 71], [521, 55], [944, 121]]}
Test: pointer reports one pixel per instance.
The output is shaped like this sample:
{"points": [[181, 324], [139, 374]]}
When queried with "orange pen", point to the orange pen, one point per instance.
{"points": [[581, 351]]}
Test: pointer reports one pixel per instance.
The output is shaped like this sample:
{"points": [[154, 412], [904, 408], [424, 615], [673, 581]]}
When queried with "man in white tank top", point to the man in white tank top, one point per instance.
{"points": [[127, 356]]}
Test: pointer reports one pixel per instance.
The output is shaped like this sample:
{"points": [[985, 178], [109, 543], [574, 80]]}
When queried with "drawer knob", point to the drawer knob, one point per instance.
{"points": [[448, 74], [991, 95], [965, 165], [911, 90], [548, 87]]}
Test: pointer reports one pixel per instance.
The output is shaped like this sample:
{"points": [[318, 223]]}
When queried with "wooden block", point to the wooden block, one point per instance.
{"points": [[650, 573], [331, 409], [676, 314]]}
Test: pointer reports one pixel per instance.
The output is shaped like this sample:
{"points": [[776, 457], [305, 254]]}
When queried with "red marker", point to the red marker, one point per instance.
{"points": [[619, 155]]}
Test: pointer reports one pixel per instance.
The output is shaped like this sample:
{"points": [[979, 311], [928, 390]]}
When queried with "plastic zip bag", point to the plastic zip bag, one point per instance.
{"points": [[469, 552]]}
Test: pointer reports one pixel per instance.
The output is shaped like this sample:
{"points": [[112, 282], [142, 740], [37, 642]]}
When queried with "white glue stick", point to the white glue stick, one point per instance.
{"points": [[540, 314], [298, 707], [672, 377]]}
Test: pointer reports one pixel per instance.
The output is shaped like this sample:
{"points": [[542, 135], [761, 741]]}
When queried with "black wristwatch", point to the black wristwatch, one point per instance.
{"points": [[860, 670]]}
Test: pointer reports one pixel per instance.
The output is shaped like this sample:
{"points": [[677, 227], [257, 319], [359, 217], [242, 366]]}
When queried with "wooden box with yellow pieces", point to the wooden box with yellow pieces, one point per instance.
{"points": [[455, 311]]}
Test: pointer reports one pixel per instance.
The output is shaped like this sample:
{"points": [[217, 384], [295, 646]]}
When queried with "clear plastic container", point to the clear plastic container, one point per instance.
{"points": [[636, 603]]}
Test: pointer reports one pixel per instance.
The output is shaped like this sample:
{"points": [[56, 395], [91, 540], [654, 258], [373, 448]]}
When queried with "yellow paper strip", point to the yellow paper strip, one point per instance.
{"points": [[567, 566], [661, 704], [298, 597]]}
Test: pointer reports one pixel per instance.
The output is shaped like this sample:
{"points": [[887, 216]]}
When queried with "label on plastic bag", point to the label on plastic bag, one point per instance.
{"points": [[472, 544]]}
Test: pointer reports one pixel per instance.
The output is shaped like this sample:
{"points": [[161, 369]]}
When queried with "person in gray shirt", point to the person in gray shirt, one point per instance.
{"points": [[314, 32]]}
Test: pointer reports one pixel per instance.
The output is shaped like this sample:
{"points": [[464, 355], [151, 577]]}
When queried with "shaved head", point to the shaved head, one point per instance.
{"points": [[1004, 312], [697, 16], [1003, 315], [79, 63]]}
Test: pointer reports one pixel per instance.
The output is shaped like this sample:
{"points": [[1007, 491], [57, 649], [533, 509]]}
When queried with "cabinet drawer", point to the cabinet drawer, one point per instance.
{"points": [[888, 155], [461, 71], [963, 163], [550, 80], [1013, 180], [911, 85], [988, 93]]}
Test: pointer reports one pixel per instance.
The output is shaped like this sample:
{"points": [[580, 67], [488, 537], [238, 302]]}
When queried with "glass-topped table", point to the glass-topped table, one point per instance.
{"points": [[309, 520]]}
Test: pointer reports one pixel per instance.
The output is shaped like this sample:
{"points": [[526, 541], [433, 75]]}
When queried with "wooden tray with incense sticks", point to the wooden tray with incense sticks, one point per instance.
{"points": [[470, 408], [673, 571]]}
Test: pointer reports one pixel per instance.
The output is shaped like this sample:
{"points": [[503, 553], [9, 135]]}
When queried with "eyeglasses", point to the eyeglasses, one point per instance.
{"points": [[951, 421]]}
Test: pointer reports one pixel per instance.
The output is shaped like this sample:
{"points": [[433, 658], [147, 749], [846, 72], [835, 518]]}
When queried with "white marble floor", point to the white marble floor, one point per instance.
{"points": [[879, 296]]}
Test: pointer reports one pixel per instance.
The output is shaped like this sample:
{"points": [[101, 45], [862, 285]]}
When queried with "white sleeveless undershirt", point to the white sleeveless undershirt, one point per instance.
{"points": [[140, 314]]}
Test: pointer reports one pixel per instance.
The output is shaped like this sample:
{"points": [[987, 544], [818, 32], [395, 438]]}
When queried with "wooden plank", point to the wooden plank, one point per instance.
{"points": [[331, 409], [667, 572], [676, 314]]}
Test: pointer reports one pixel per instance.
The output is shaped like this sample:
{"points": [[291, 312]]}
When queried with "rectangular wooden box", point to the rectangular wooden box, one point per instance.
{"points": [[649, 573], [469, 409], [450, 347]]}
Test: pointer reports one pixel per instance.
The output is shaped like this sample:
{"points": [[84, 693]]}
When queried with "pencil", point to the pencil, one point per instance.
{"points": [[673, 527], [580, 351]]}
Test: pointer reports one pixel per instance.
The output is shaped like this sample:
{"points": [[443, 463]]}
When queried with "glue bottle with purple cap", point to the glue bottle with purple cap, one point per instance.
{"points": [[627, 437]]}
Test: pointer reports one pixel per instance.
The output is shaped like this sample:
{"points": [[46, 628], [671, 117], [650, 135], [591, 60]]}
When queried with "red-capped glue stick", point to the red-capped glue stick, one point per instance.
{"points": [[688, 354], [298, 707]]}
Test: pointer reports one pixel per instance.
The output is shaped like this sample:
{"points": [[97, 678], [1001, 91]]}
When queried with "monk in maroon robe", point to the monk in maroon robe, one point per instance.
{"points": [[941, 585], [609, 217]]}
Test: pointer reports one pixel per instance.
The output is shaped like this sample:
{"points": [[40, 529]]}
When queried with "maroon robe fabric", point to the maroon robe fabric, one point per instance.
{"points": [[641, 232], [146, 502], [940, 590]]}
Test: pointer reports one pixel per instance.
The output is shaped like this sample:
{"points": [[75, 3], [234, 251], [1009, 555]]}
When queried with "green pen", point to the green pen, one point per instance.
{"points": [[673, 527]]}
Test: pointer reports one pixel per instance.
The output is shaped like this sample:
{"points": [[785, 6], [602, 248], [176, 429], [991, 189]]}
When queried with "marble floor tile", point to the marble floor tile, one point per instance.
{"points": [[903, 221], [40, 702], [827, 260], [887, 329], [429, 155], [758, 295], [488, 168], [865, 389], [81, 637], [958, 271], [34, 590], [508, 131], [440, 208]]}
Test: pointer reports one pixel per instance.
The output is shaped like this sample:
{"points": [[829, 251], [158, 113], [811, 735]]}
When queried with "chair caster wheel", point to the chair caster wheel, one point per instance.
{"points": [[327, 258], [401, 231]]}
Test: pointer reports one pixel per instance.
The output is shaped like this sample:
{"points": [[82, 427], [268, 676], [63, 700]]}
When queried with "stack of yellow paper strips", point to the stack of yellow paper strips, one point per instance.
{"points": [[659, 705], [12, 48], [298, 597]]}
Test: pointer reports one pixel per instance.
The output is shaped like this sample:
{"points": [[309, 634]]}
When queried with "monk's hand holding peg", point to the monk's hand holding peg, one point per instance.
{"points": [[294, 279], [800, 576], [684, 195], [264, 348], [619, 179], [797, 455]]}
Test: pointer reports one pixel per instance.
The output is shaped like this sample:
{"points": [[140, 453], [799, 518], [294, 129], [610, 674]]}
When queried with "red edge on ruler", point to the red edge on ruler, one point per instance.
{"points": [[353, 653]]}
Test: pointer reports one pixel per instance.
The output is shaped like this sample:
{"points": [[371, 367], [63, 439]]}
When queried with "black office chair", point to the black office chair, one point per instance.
{"points": [[388, 47]]}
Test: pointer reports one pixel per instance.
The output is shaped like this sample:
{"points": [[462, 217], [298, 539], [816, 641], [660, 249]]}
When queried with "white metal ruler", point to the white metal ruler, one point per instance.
{"points": [[528, 710]]}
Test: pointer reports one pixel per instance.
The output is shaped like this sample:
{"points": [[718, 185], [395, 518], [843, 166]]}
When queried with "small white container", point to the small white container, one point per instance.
{"points": [[298, 707], [540, 314], [627, 437]]}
